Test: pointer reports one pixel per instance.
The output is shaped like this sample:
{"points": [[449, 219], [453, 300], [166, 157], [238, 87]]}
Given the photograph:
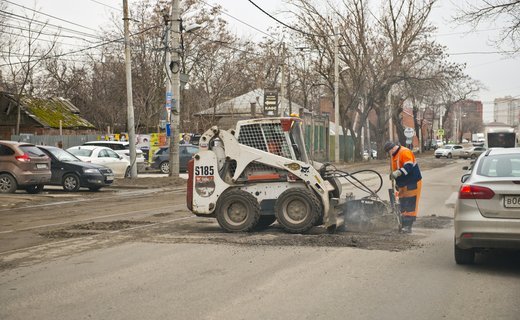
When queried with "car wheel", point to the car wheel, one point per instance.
{"points": [[7, 183], [449, 156], [127, 173], [437, 157], [34, 189], [70, 182], [464, 256], [473, 156], [94, 189], [165, 167]]}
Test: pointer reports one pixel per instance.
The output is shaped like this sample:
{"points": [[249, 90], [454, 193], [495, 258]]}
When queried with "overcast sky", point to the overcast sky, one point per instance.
{"points": [[499, 73]]}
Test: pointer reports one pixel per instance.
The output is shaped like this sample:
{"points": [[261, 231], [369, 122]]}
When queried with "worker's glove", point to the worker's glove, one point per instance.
{"points": [[394, 175]]}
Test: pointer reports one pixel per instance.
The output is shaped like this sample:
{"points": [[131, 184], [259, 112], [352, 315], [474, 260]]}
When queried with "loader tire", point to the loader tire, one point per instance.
{"points": [[297, 210], [237, 211]]}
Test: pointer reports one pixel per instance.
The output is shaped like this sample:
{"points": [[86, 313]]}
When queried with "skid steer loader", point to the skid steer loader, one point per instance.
{"points": [[260, 173]]}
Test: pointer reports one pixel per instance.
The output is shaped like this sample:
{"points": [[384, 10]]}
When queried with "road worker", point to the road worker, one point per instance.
{"points": [[408, 179]]}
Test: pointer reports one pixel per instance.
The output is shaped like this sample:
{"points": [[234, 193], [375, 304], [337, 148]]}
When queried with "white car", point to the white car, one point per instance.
{"points": [[487, 211], [448, 150], [122, 148], [103, 156]]}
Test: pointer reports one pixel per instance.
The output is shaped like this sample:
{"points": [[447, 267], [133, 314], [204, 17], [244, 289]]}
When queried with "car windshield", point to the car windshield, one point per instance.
{"points": [[506, 165], [81, 152], [63, 155]]}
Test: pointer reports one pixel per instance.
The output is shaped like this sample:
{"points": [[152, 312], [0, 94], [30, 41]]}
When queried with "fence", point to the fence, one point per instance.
{"points": [[66, 141]]}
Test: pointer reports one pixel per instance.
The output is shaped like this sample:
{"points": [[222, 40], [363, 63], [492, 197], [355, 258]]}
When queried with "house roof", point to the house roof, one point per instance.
{"points": [[242, 105], [49, 112]]}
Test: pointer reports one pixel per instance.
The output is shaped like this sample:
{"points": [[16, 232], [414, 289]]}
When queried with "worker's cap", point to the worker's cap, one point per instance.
{"points": [[388, 146]]}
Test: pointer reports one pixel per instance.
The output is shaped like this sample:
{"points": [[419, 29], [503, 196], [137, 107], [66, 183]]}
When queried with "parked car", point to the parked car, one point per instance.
{"points": [[103, 156], [447, 150], [486, 212], [373, 154], [23, 166], [472, 152], [71, 173], [430, 144], [122, 148], [160, 159]]}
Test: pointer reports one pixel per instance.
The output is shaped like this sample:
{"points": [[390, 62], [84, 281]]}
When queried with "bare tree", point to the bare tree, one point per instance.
{"points": [[491, 11], [23, 53]]}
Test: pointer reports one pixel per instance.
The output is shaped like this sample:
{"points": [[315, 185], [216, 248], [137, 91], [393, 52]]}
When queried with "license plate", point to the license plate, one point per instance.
{"points": [[109, 178], [512, 201], [41, 166]]}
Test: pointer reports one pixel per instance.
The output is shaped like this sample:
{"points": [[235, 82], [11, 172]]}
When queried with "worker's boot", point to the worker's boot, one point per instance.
{"points": [[407, 222]]}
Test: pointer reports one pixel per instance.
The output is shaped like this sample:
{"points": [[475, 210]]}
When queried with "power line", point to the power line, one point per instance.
{"points": [[84, 49], [51, 16], [47, 34], [226, 45], [241, 21], [106, 5], [479, 52], [25, 19], [282, 23]]}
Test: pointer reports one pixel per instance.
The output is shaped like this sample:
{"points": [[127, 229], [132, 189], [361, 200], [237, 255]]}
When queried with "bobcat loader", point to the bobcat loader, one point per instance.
{"points": [[260, 173]]}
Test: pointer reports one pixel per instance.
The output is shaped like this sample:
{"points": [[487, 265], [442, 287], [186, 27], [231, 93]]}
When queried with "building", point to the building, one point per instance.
{"points": [[40, 116], [507, 110]]}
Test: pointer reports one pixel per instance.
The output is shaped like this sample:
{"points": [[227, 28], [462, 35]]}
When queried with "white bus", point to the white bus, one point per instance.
{"points": [[500, 136]]}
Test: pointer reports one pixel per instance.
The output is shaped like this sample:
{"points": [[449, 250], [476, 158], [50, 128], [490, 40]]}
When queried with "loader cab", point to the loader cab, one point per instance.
{"points": [[280, 136]]}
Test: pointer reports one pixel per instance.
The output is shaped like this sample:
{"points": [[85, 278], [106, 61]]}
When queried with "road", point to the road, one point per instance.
{"points": [[76, 261]]}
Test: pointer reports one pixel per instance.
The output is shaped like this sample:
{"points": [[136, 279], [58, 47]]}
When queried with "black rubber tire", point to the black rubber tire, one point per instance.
{"points": [[237, 211], [464, 256], [8, 183], [265, 221], [94, 189], [70, 182], [165, 167], [297, 210], [127, 173], [449, 156], [473, 156], [34, 189], [437, 157]]}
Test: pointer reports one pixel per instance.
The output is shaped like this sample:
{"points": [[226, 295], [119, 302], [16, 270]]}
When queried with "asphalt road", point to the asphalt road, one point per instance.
{"points": [[175, 266]]}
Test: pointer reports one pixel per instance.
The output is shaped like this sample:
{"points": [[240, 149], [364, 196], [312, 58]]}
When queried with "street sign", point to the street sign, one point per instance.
{"points": [[440, 132], [271, 102], [409, 132]]}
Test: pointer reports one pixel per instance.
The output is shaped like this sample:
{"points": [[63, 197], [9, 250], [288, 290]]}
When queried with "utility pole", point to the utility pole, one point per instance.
{"points": [[129, 98], [336, 94], [390, 120], [175, 85], [282, 85]]}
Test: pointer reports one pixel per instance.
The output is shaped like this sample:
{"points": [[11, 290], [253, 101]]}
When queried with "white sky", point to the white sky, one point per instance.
{"points": [[499, 73]]}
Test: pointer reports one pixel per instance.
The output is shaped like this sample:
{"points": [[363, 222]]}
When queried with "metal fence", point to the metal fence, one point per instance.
{"points": [[66, 141]]}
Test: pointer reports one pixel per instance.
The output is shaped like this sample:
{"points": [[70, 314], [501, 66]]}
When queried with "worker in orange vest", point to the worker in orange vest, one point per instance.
{"points": [[408, 179]]}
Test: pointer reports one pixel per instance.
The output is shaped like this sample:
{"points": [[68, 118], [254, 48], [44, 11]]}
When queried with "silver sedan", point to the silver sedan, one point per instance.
{"points": [[487, 212]]}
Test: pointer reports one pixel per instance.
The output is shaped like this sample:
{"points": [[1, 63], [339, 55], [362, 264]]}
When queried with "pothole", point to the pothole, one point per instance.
{"points": [[109, 225]]}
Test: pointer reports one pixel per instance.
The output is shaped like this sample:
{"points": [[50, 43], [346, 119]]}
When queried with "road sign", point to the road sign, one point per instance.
{"points": [[440, 131], [270, 102], [409, 132]]}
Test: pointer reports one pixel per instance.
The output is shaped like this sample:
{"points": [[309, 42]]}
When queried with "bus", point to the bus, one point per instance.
{"points": [[500, 136]]}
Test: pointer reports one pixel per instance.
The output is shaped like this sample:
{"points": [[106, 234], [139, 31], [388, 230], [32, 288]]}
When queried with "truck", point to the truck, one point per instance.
{"points": [[500, 135]]}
